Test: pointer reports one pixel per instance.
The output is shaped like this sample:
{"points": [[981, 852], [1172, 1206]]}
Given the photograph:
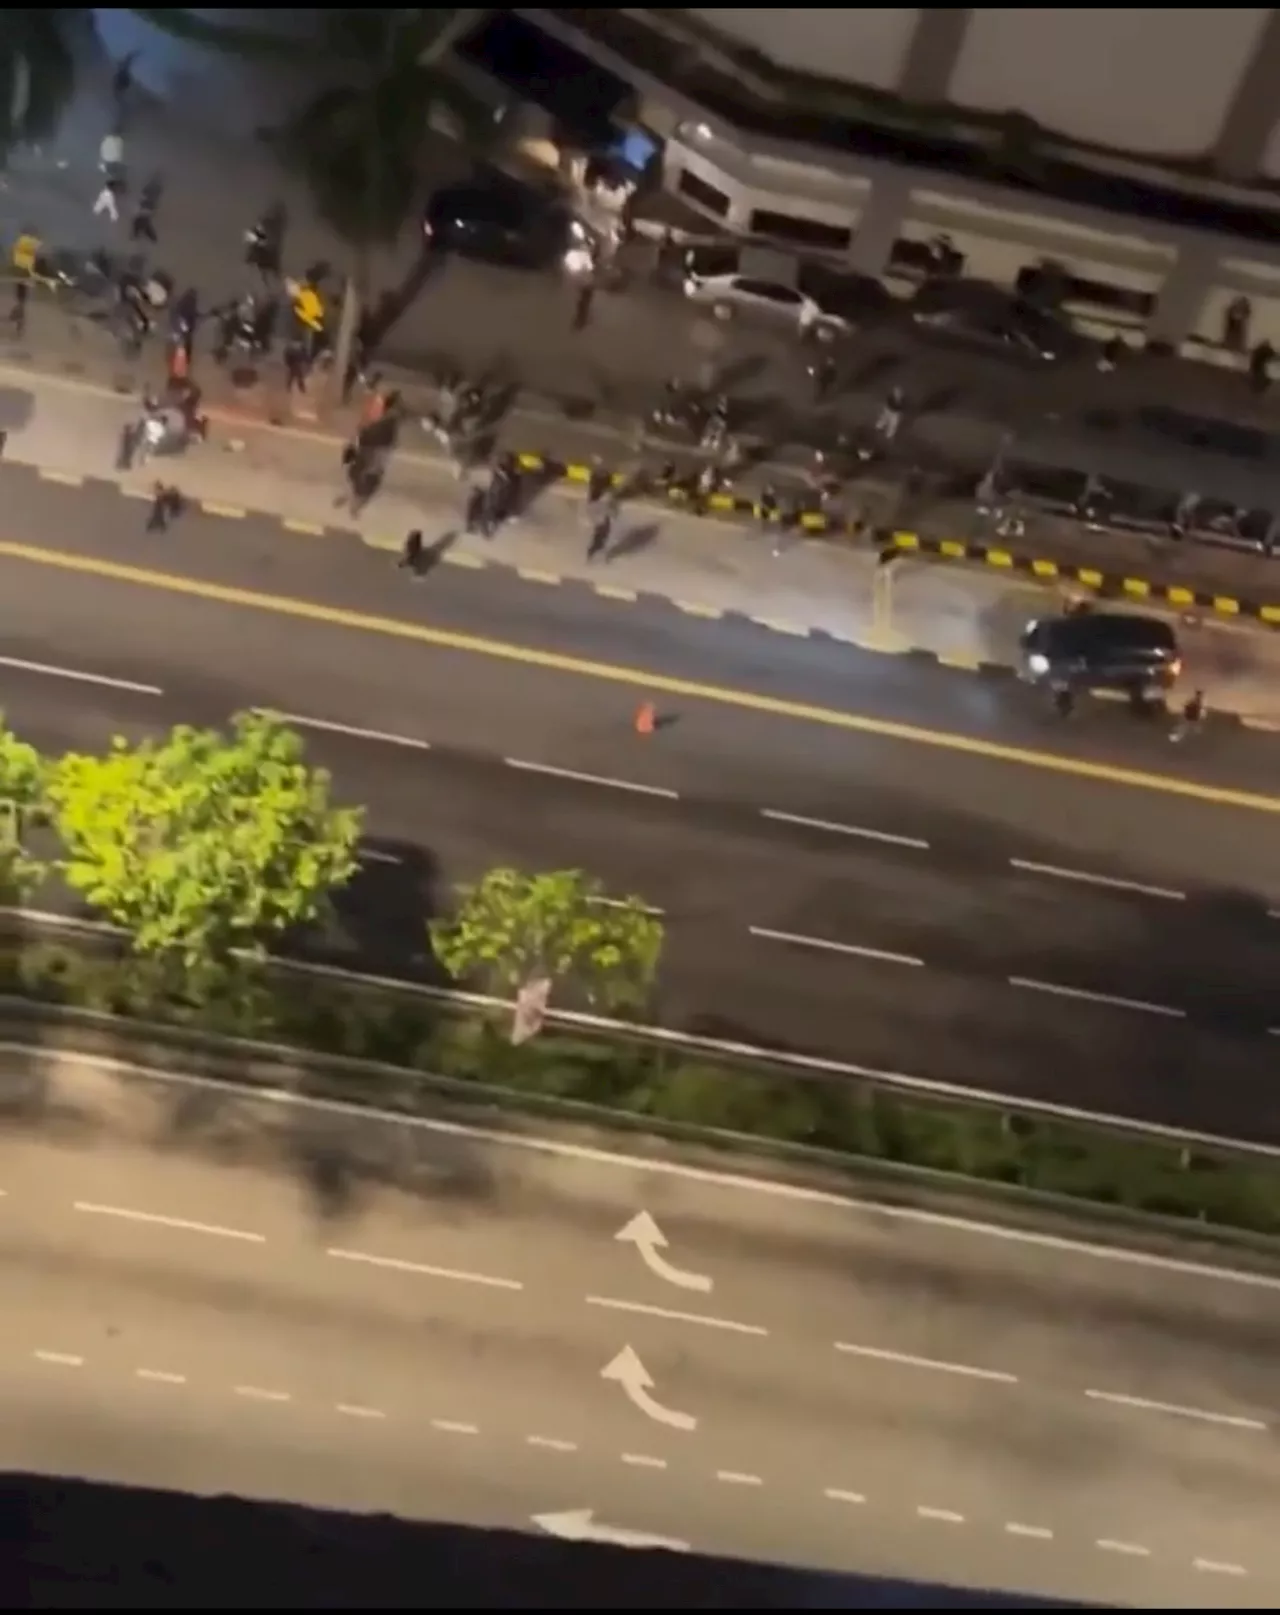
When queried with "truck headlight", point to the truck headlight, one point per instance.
{"points": [[1037, 664]]}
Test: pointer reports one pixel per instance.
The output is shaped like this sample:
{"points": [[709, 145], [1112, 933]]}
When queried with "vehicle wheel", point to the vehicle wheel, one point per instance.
{"points": [[723, 311]]}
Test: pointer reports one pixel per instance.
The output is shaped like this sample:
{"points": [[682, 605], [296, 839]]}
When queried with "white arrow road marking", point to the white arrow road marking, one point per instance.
{"points": [[627, 1370], [581, 1525], [643, 1232]]}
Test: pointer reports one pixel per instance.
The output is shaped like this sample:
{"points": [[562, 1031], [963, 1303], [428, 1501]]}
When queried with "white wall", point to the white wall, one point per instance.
{"points": [[1150, 80], [863, 44], [1146, 79]]}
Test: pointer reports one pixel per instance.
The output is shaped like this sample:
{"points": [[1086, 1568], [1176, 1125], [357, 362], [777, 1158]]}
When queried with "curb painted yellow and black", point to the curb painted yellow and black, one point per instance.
{"points": [[816, 524], [1039, 569], [894, 646]]}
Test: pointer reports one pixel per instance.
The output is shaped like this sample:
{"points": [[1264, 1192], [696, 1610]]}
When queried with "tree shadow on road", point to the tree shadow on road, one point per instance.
{"points": [[380, 919]]}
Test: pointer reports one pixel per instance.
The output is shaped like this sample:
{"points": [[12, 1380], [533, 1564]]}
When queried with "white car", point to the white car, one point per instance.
{"points": [[747, 294]]}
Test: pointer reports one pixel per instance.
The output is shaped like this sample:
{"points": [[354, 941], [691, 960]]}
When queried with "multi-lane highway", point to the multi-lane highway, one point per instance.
{"points": [[888, 865], [213, 1293]]}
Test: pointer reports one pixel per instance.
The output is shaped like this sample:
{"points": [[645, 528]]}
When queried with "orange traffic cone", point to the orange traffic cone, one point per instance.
{"points": [[646, 718]]}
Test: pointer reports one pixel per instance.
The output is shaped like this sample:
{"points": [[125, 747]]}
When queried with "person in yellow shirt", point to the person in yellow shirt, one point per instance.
{"points": [[26, 250]]}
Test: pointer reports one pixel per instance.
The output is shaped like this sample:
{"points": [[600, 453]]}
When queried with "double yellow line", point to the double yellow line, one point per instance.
{"points": [[634, 678]]}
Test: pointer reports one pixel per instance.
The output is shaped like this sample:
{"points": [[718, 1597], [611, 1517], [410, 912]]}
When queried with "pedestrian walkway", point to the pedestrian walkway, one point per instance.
{"points": [[789, 585]]}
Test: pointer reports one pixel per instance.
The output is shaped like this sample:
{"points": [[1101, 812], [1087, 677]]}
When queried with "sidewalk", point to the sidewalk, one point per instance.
{"points": [[968, 620], [589, 390]]}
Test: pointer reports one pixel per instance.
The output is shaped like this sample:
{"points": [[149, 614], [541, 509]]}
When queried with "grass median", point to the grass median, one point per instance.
{"points": [[671, 1087]]}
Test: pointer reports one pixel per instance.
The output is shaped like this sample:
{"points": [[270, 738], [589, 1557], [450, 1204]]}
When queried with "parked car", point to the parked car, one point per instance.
{"points": [[984, 316], [504, 223], [1089, 650], [732, 295]]}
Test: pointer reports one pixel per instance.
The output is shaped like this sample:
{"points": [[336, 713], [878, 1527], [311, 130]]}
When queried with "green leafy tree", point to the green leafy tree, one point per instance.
{"points": [[22, 794], [202, 844], [511, 930]]}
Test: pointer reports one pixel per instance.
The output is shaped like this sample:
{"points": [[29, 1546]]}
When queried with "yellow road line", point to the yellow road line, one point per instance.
{"points": [[636, 678]]}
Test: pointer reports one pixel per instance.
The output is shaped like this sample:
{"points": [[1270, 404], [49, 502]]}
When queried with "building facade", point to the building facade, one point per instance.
{"points": [[1197, 83], [1141, 204]]}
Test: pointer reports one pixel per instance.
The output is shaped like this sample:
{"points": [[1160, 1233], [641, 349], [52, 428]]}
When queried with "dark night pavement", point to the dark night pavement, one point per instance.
{"points": [[256, 554], [696, 840]]}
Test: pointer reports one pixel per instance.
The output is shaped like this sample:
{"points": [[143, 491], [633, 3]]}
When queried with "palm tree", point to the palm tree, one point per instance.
{"points": [[360, 142], [37, 72]]}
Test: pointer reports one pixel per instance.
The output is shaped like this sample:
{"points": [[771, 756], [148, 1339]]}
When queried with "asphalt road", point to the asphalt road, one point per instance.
{"points": [[225, 1295], [935, 922]]}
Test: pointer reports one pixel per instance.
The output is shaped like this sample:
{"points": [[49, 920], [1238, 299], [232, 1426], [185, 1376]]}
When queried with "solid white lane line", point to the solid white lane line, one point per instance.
{"points": [[837, 1494], [729, 1325], [734, 1477], [182, 1225], [1218, 1567], [1233, 1421], [1134, 1550], [944, 1516], [551, 1443], [356, 1410], [371, 857], [938, 1365], [641, 1460], [352, 731], [454, 1427], [259, 1393], [835, 829], [765, 934], [1112, 1000], [1040, 1533], [158, 1376], [659, 1169], [59, 1359], [1085, 878], [397, 1265], [592, 779], [77, 677]]}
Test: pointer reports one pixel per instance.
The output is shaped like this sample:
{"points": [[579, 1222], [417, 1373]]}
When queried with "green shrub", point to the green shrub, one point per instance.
{"points": [[427, 1038]]}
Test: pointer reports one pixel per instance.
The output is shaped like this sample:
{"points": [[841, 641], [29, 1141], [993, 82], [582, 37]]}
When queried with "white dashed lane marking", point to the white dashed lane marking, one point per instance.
{"points": [[1142, 1404], [825, 944], [398, 1264], [705, 1320], [937, 1365], [1085, 878], [179, 1224], [859, 831], [1111, 1000], [579, 778], [926, 1512]]}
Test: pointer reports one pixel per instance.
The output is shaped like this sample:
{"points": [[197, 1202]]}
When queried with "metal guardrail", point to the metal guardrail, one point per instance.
{"points": [[749, 1056]]}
